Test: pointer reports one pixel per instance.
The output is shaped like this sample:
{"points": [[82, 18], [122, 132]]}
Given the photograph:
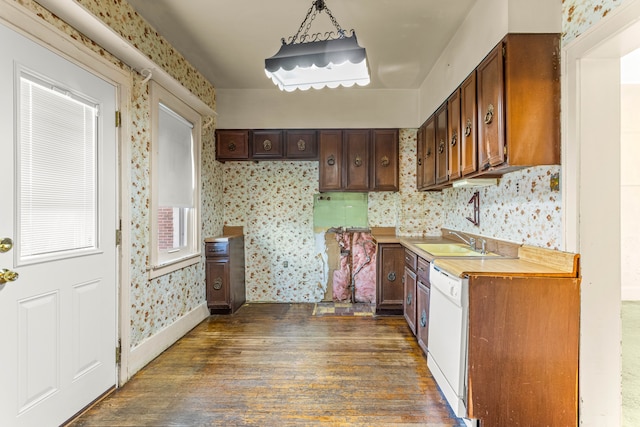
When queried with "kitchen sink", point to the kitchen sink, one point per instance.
{"points": [[452, 249]]}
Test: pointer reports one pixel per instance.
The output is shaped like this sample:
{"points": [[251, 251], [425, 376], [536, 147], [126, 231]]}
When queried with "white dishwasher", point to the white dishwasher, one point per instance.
{"points": [[448, 334]]}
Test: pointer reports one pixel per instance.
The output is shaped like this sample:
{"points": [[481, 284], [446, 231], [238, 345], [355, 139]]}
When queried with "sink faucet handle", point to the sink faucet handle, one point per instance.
{"points": [[472, 242]]}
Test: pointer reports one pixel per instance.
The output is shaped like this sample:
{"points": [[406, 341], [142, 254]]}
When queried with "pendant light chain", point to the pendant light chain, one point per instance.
{"points": [[317, 6]]}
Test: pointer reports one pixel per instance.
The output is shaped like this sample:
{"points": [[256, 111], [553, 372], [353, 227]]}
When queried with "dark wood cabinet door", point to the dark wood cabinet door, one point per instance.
{"points": [[267, 144], [429, 158], [469, 125], [422, 316], [442, 151], [217, 279], [357, 143], [409, 303], [232, 144], [490, 75], [330, 160], [454, 135], [390, 269], [420, 149], [301, 144], [384, 165]]}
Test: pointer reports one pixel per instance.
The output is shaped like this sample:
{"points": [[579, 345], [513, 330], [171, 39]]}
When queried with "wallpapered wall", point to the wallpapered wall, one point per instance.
{"points": [[579, 15], [155, 304]]}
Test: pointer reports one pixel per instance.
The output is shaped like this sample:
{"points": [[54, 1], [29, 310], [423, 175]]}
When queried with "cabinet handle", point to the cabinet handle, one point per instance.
{"points": [[441, 147], [428, 152], [488, 118], [467, 128], [266, 144], [409, 298], [302, 145], [331, 160], [454, 138], [385, 161], [231, 146], [419, 161], [358, 161], [423, 318], [217, 284], [391, 276]]}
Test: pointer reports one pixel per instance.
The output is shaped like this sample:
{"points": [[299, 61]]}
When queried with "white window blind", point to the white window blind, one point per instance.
{"points": [[177, 178], [57, 175]]}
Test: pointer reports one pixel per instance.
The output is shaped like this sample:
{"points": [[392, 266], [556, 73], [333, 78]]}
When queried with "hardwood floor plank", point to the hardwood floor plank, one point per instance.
{"points": [[278, 365]]}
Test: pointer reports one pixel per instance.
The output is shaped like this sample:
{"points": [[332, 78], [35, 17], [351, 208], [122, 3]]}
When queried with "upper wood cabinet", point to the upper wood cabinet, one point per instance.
{"points": [[469, 126], [518, 89], [358, 160], [454, 134], [267, 144], [301, 144], [385, 164], [442, 152], [232, 144]]}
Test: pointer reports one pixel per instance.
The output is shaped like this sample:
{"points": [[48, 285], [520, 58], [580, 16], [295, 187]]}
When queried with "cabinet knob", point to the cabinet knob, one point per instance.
{"points": [[488, 118], [409, 298], [428, 152], [467, 128], [231, 146], [454, 138], [266, 144], [441, 147], [419, 161], [391, 276], [217, 284], [423, 318], [302, 145], [358, 161], [384, 162], [331, 160]]}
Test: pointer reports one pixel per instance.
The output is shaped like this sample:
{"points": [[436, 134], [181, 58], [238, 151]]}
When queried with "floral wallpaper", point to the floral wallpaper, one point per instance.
{"points": [[579, 15], [157, 303]]}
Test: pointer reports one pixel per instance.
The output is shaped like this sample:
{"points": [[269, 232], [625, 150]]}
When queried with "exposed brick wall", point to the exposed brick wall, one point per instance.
{"points": [[165, 228]]}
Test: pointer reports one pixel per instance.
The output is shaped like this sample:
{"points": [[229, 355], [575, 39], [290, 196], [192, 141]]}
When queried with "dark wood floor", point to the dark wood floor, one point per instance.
{"points": [[278, 365]]}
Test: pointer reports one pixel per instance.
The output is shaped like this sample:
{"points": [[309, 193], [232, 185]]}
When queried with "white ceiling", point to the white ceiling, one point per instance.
{"points": [[228, 40]]}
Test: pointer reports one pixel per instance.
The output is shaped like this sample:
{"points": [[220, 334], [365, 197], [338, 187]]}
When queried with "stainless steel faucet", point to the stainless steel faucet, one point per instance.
{"points": [[467, 239]]}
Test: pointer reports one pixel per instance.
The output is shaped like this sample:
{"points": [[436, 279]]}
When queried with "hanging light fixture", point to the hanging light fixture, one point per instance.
{"points": [[315, 61]]}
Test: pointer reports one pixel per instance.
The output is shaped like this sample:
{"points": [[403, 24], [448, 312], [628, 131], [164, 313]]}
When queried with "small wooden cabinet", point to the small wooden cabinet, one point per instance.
{"points": [[454, 135], [390, 271], [423, 290], [267, 145], [410, 288], [442, 151], [468, 123], [301, 144], [426, 161], [232, 144], [225, 281], [358, 160]]}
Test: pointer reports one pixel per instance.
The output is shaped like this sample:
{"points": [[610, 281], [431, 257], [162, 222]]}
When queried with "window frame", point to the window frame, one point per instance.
{"points": [[165, 265]]}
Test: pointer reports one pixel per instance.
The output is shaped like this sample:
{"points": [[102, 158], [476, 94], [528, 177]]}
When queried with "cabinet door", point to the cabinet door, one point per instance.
{"points": [[442, 164], [330, 160], [385, 160], [422, 316], [454, 134], [409, 304], [232, 144], [267, 144], [217, 280], [469, 124], [390, 291], [356, 159], [420, 149], [490, 75], [301, 144], [429, 159]]}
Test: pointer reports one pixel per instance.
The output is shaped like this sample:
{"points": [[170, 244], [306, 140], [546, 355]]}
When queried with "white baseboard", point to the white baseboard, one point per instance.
{"points": [[150, 348], [630, 293]]}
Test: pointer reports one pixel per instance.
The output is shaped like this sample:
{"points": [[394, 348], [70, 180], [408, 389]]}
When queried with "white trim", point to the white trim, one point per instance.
{"points": [[149, 349], [45, 34], [161, 270], [94, 28]]}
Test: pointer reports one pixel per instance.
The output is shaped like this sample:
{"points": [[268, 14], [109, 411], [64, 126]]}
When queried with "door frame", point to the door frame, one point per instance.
{"points": [[45, 34], [591, 179]]}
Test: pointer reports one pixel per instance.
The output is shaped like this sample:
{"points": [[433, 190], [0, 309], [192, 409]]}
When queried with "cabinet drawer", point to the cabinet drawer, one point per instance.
{"points": [[267, 144], [423, 272], [232, 144], [301, 144], [410, 260], [217, 249]]}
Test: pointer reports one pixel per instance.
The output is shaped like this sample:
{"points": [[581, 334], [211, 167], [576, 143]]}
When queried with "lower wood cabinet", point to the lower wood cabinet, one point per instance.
{"points": [[390, 271], [410, 288], [225, 284], [423, 294]]}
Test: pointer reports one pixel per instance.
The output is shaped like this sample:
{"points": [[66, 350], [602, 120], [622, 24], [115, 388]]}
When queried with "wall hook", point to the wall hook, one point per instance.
{"points": [[475, 199], [146, 72]]}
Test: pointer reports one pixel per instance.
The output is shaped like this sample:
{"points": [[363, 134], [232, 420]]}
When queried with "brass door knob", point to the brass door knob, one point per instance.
{"points": [[8, 276], [6, 244]]}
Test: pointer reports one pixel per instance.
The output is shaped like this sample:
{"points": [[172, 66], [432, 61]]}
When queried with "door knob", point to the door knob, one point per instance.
{"points": [[8, 276], [6, 244]]}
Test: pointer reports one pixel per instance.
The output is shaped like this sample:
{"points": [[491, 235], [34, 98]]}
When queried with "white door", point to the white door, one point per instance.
{"points": [[58, 187]]}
